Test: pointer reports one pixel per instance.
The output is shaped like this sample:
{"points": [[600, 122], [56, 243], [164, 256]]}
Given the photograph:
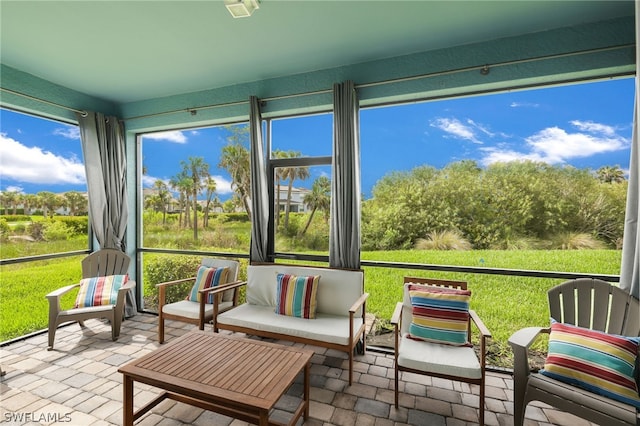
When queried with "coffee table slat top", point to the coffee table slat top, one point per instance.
{"points": [[238, 370]]}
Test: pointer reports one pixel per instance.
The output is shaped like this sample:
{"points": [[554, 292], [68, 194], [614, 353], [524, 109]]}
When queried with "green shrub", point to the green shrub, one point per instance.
{"points": [[168, 268], [445, 240], [5, 230], [36, 230], [231, 217], [16, 218], [78, 225], [576, 241], [56, 231]]}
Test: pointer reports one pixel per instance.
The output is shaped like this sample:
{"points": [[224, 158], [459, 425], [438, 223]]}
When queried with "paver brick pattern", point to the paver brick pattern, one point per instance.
{"points": [[77, 383]]}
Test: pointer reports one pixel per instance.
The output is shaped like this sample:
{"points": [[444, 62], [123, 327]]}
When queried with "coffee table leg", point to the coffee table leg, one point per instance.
{"points": [[306, 391], [264, 417], [127, 402]]}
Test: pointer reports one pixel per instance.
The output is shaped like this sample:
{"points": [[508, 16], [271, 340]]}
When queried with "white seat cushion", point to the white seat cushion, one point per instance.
{"points": [[324, 328], [188, 309], [457, 361]]}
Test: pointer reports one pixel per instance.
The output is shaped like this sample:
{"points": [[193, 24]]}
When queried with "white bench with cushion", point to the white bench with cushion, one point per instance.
{"points": [[339, 322]]}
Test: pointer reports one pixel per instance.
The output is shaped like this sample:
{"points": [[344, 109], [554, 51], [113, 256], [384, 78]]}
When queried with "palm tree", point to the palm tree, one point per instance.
{"points": [[610, 174], [163, 197], [50, 202], [280, 175], [182, 184], [74, 200], [291, 174], [10, 199], [30, 200], [318, 199], [235, 159], [197, 170], [210, 186]]}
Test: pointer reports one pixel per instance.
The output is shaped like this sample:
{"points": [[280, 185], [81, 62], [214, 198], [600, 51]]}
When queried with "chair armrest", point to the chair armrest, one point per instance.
{"points": [[397, 314], [520, 342], [223, 287], [524, 337], [358, 303], [131, 284], [168, 283], [59, 292], [162, 289], [396, 319], [216, 300], [484, 331]]}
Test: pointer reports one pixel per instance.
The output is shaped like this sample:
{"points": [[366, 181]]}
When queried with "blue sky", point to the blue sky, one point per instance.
{"points": [[583, 125]]}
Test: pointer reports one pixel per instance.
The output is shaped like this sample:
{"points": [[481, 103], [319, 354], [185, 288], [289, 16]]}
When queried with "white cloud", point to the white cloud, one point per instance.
{"points": [[175, 136], [457, 129], [591, 127], [70, 132], [223, 186], [33, 165], [524, 105], [14, 188], [148, 181], [480, 127], [554, 145]]}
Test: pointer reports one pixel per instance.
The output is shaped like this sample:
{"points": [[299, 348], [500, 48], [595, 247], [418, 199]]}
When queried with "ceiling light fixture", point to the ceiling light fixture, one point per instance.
{"points": [[241, 8]]}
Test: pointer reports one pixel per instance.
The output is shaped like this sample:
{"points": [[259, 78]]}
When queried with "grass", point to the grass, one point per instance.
{"points": [[505, 303]]}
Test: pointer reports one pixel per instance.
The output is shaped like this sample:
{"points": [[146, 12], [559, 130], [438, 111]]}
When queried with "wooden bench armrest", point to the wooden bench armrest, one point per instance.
{"points": [[223, 287], [358, 303]]}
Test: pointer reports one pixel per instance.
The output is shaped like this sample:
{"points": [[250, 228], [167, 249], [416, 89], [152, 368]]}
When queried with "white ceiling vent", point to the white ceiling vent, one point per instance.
{"points": [[241, 8]]}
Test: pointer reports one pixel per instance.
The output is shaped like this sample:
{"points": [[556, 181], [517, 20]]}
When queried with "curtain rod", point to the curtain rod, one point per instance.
{"points": [[485, 68], [33, 98]]}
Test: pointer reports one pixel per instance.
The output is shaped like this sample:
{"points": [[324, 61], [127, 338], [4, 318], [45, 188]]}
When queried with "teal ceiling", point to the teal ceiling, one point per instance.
{"points": [[132, 51]]}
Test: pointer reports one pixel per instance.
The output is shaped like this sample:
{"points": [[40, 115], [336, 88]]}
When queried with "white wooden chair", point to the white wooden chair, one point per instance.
{"points": [[588, 303], [100, 263], [197, 313], [459, 363]]}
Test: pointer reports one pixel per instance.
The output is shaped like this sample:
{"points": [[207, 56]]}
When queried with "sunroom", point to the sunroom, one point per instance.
{"points": [[292, 77]]}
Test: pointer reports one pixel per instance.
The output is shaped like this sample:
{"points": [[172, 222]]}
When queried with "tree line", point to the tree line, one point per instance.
{"points": [[195, 180], [519, 204], [46, 201]]}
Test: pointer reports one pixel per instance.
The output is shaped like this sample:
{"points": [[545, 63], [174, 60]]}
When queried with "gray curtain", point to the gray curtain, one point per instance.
{"points": [[344, 238], [105, 162], [103, 147], [259, 195], [630, 267]]}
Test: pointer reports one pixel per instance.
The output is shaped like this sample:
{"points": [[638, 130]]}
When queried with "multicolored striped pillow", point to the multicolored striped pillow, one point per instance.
{"points": [[598, 362], [99, 291], [439, 314], [206, 278], [296, 295]]}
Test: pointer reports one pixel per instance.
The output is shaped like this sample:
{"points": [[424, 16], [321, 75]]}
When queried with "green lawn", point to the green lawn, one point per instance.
{"points": [[504, 303]]}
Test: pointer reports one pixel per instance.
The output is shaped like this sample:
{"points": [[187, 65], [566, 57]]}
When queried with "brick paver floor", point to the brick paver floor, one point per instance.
{"points": [[77, 383]]}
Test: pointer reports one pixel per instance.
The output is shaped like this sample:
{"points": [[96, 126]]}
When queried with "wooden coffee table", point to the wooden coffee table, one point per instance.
{"points": [[233, 376]]}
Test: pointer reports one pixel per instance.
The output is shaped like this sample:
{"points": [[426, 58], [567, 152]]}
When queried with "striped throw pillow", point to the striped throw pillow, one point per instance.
{"points": [[439, 314], [598, 362], [296, 295], [206, 278], [99, 291]]}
